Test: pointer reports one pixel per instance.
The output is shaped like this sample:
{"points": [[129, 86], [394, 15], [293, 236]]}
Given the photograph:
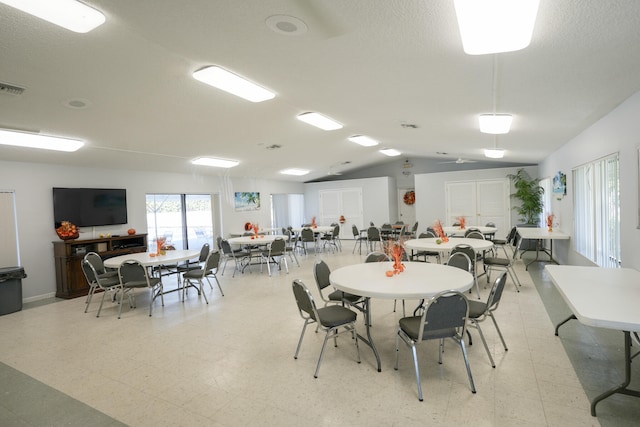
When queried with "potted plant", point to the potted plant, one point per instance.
{"points": [[529, 193]]}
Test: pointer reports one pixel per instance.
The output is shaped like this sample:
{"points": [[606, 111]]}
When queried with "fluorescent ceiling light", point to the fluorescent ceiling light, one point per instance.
{"points": [[70, 14], [216, 163], [293, 171], [494, 153], [35, 140], [390, 152], [232, 83], [319, 121], [363, 140], [494, 26], [495, 123]]}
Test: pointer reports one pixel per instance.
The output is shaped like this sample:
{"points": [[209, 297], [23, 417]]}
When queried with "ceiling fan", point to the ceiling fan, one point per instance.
{"points": [[460, 160]]}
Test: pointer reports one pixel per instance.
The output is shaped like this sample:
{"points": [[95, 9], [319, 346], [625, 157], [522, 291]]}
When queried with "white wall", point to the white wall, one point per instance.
{"points": [[379, 202], [618, 131], [32, 184], [430, 192]]}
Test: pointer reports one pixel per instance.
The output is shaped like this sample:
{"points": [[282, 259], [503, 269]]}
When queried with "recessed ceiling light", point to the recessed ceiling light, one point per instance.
{"points": [[363, 140], [391, 152], [286, 25], [319, 121], [216, 163], [495, 123], [70, 14], [494, 153], [494, 26], [233, 84], [293, 171], [35, 140]]}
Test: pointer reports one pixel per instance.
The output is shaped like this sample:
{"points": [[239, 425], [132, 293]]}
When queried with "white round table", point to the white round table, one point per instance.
{"points": [[145, 258], [419, 280], [260, 239], [318, 229], [457, 231], [430, 244]]}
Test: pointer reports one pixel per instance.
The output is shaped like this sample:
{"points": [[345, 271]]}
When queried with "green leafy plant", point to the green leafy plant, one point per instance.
{"points": [[529, 193]]}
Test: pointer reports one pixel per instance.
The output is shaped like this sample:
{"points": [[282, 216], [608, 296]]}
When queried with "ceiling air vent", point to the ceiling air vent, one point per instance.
{"points": [[273, 147], [11, 89]]}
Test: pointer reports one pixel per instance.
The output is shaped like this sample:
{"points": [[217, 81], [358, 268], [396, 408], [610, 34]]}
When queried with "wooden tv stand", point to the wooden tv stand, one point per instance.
{"points": [[68, 255]]}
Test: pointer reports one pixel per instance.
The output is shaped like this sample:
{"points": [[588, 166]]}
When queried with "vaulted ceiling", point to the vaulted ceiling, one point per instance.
{"points": [[391, 69]]}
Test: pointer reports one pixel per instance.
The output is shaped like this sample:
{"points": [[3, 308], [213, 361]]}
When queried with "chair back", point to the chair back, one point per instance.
{"points": [[89, 272], [304, 299], [321, 272], [355, 231], [474, 234], [373, 234], [460, 260], [445, 311], [204, 253], [131, 271], [336, 231], [512, 235], [426, 235], [377, 257], [466, 249], [219, 243], [277, 247], [211, 263], [415, 227], [96, 262], [307, 235], [496, 291]]}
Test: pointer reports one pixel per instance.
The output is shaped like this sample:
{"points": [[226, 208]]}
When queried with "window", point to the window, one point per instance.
{"points": [[186, 220], [597, 211], [287, 210]]}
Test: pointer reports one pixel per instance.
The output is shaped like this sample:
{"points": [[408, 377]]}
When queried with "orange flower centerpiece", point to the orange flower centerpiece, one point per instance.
{"points": [[437, 227], [313, 223], [160, 249], [550, 218], [67, 231], [256, 230], [463, 222], [396, 251]]}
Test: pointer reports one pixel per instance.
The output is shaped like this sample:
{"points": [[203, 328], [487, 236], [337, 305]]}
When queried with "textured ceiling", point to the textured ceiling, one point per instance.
{"points": [[372, 65]]}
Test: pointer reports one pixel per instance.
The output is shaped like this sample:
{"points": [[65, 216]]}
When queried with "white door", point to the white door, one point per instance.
{"points": [[345, 202], [479, 202], [406, 212]]}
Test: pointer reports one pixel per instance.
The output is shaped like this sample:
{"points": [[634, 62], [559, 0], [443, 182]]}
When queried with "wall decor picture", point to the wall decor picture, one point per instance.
{"points": [[247, 201], [560, 184]]}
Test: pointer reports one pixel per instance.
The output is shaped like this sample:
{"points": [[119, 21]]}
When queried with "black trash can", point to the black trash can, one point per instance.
{"points": [[11, 289]]}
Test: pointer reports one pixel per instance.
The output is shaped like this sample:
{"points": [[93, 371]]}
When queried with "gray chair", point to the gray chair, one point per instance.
{"points": [[492, 235], [108, 284], [445, 316], [202, 258], [98, 266], [506, 264], [471, 254], [321, 273], [480, 311], [416, 256], [358, 239], [133, 275], [290, 247], [210, 269], [237, 255], [275, 252], [374, 238], [308, 236], [332, 239], [330, 319]]}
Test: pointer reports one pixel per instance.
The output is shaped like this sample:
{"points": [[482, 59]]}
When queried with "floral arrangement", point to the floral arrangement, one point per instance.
{"points": [[437, 227], [550, 218], [160, 249], [463, 222], [396, 251], [67, 231], [409, 197], [248, 226], [313, 223]]}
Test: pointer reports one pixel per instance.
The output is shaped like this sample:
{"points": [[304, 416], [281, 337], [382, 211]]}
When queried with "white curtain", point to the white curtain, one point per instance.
{"points": [[287, 210], [597, 211]]}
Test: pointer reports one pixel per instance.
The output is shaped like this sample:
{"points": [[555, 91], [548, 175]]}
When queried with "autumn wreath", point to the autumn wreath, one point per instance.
{"points": [[410, 197]]}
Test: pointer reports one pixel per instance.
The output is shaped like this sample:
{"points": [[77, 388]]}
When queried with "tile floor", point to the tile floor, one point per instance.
{"points": [[231, 363]]}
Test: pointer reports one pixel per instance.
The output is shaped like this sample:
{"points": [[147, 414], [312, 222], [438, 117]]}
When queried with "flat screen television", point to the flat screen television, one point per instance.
{"points": [[88, 207]]}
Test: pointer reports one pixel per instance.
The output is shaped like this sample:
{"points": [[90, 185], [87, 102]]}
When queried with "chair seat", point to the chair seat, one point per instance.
{"points": [[108, 274], [339, 296], [335, 315], [195, 273], [476, 308], [411, 327], [497, 261]]}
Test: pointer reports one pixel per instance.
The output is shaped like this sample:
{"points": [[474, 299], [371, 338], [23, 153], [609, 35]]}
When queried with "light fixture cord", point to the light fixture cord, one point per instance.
{"points": [[495, 94]]}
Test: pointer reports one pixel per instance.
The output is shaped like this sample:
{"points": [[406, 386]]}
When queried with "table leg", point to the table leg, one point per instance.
{"points": [[622, 388], [573, 316], [367, 323], [538, 250]]}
